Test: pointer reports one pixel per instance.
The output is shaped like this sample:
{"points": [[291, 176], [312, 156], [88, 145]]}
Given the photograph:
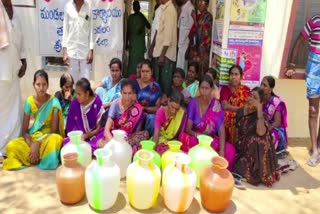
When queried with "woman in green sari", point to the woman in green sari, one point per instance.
{"points": [[40, 144]]}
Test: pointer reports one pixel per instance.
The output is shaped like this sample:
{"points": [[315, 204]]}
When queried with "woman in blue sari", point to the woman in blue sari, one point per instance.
{"points": [[40, 144], [109, 89], [148, 94]]}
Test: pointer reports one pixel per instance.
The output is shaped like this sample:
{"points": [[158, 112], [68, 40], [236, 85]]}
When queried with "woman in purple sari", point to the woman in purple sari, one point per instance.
{"points": [[148, 95], [276, 113], [206, 116], [85, 114]]}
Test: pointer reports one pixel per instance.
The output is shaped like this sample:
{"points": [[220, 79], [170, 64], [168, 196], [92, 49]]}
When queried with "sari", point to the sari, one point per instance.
{"points": [[128, 121], [256, 159], [237, 98], [209, 124], [148, 96], [107, 92], [200, 47], [279, 135], [85, 118], [192, 88], [170, 128], [40, 131]]}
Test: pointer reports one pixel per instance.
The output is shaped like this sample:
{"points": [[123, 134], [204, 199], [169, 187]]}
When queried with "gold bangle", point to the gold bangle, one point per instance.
{"points": [[292, 64]]}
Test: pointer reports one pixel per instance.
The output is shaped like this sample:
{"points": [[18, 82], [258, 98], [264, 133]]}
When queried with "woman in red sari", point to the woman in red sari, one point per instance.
{"points": [[233, 97], [126, 114]]}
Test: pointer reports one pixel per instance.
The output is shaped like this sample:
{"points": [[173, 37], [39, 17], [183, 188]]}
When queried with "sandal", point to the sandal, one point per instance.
{"points": [[238, 184], [313, 162], [285, 166], [293, 165]]}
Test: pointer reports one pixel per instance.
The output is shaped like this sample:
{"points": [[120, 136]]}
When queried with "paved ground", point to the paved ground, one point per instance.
{"points": [[34, 191]]}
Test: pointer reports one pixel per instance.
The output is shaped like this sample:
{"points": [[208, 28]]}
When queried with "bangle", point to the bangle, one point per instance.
{"points": [[292, 64]]}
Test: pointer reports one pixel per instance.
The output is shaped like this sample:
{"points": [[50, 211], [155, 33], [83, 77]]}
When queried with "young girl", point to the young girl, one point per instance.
{"points": [[85, 114], [191, 83], [40, 144], [177, 82], [66, 94]]}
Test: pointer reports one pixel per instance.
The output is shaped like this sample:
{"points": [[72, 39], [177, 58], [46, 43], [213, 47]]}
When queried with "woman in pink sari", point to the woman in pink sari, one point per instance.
{"points": [[126, 114], [206, 116], [276, 112]]}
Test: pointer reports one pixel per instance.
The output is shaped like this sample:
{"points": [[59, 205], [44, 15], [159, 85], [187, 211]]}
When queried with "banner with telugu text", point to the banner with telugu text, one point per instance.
{"points": [[246, 36], [107, 16]]}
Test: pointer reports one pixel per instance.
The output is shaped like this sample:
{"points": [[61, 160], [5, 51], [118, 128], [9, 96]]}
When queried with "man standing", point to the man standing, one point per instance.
{"points": [[186, 19], [13, 66], [154, 27], [312, 75], [77, 41], [165, 50]]}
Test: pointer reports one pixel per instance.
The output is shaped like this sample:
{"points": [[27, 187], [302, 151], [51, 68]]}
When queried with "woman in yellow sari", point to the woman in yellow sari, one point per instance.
{"points": [[169, 121], [40, 144]]}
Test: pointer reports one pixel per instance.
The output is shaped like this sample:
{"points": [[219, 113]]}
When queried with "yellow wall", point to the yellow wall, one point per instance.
{"points": [[294, 93]]}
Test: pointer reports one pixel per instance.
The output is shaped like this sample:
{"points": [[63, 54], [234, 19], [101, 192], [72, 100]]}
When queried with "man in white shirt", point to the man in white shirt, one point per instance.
{"points": [[186, 19], [154, 28], [13, 67], [77, 41], [165, 49]]}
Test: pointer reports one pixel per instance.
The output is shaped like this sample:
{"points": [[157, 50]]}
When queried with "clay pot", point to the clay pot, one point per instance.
{"points": [[216, 185], [70, 180]]}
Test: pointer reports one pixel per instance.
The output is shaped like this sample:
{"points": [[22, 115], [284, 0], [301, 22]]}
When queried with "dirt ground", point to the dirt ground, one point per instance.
{"points": [[34, 191]]}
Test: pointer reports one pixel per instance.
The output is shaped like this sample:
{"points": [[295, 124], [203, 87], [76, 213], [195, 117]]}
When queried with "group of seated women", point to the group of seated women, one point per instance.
{"points": [[248, 127]]}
